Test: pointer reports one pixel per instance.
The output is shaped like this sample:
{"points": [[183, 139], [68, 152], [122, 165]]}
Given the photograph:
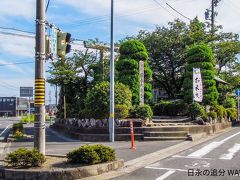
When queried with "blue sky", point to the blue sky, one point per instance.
{"points": [[88, 20]]}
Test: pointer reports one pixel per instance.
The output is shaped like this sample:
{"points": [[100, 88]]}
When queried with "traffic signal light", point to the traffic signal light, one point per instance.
{"points": [[63, 43]]}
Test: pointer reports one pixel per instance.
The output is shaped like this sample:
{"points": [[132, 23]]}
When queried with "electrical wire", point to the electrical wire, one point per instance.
{"points": [[9, 64], [16, 34], [15, 29], [47, 6], [164, 8], [179, 12]]}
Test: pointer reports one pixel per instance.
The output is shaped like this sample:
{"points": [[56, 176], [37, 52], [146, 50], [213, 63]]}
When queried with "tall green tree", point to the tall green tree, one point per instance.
{"points": [[74, 76], [131, 53], [201, 56]]}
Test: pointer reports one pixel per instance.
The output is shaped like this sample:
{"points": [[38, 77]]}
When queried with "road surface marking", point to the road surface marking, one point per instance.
{"points": [[165, 175], [189, 157], [4, 130], [206, 149], [229, 137], [169, 169], [231, 152]]}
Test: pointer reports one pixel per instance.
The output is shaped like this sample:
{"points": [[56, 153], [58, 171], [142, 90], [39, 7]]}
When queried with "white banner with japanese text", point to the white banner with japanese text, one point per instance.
{"points": [[197, 85]]}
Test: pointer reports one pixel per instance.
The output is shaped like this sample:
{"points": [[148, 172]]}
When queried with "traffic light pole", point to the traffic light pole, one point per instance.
{"points": [[111, 115], [39, 102]]}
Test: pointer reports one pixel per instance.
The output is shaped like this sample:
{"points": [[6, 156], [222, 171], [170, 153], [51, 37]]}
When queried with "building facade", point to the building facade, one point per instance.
{"points": [[13, 106]]}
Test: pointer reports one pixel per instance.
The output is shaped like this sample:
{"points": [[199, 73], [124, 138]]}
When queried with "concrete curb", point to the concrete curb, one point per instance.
{"points": [[60, 173], [148, 159]]}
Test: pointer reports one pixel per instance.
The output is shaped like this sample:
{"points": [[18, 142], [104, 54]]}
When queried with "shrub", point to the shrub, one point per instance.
{"points": [[91, 154], [212, 114], [229, 103], [231, 113], [219, 110], [27, 118], [196, 110], [170, 108], [23, 157], [144, 112], [17, 127], [83, 155], [97, 100], [18, 134], [105, 153], [121, 111]]}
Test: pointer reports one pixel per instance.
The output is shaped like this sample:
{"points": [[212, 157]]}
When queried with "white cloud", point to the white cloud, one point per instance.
{"points": [[12, 67], [149, 12], [18, 8], [18, 46]]}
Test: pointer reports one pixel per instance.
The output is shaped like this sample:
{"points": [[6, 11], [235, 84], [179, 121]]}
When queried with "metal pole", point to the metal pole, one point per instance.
{"points": [[238, 108], [212, 18], [39, 103], [29, 113], [111, 115]]}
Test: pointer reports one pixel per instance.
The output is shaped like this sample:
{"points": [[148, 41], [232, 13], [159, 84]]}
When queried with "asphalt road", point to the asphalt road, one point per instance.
{"points": [[5, 125], [215, 159]]}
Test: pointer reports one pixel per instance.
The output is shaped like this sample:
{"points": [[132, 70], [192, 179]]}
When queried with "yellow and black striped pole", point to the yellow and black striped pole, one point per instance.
{"points": [[39, 92]]}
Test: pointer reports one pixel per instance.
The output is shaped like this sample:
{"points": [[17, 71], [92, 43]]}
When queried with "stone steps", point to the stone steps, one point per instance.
{"points": [[166, 134], [164, 138]]}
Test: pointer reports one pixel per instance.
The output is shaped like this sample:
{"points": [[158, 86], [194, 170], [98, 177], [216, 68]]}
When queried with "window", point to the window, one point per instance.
{"points": [[1, 100], [8, 100], [4, 100]]}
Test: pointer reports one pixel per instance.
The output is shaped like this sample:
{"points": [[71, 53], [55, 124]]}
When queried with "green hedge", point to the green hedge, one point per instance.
{"points": [[170, 108], [196, 110], [17, 127], [91, 154], [23, 157]]}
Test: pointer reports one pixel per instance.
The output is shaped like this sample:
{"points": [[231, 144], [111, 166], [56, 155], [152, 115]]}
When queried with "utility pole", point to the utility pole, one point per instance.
{"points": [[39, 125], [212, 17], [111, 115]]}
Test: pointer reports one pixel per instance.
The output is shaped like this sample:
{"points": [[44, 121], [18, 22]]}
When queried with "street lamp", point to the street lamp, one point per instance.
{"points": [[111, 114]]}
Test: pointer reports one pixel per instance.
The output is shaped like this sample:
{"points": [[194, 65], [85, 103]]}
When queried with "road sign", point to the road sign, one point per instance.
{"points": [[237, 92], [26, 91]]}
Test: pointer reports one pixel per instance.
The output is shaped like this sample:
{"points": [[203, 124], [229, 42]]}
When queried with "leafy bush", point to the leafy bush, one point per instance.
{"points": [[91, 154], [17, 127], [170, 108], [220, 112], [212, 114], [97, 100], [23, 157], [231, 113], [105, 153], [144, 112], [229, 103], [27, 118], [196, 110], [121, 111]]}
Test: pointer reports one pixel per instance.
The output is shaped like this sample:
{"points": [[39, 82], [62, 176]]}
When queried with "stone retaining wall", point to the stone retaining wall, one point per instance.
{"points": [[60, 173]]}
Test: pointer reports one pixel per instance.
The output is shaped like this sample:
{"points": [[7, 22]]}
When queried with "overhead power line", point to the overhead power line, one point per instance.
{"points": [[164, 8], [9, 64], [179, 12], [15, 29], [16, 34]]}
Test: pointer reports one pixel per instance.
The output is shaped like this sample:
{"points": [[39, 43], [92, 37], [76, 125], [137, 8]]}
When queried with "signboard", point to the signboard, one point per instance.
{"points": [[53, 42], [26, 91], [237, 92], [141, 90], [197, 85]]}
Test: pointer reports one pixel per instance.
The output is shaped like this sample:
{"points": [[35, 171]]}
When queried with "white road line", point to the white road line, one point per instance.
{"points": [[169, 169], [229, 137], [206, 149], [165, 175], [188, 157], [4, 130], [231, 152]]}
